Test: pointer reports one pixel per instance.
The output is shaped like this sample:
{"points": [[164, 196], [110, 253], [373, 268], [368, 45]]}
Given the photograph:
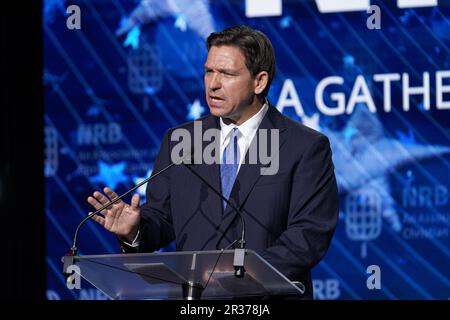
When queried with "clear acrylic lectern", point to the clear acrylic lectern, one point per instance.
{"points": [[183, 275]]}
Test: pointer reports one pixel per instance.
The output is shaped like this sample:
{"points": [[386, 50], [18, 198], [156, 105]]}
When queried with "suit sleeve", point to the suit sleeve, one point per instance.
{"points": [[156, 228], [313, 213]]}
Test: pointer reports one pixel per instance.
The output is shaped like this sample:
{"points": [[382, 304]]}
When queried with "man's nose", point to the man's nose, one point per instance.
{"points": [[215, 82]]}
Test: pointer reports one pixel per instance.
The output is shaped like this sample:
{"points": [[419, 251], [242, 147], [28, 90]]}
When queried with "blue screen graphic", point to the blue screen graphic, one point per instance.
{"points": [[381, 93]]}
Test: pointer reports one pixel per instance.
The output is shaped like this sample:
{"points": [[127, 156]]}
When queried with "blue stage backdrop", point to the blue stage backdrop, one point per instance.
{"points": [[376, 82]]}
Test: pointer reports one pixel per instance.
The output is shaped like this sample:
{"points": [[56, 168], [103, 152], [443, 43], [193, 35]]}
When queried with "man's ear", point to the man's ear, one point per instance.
{"points": [[261, 81]]}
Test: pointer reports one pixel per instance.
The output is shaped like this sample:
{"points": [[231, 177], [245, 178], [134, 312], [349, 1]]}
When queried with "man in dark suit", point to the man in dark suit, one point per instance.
{"points": [[290, 213]]}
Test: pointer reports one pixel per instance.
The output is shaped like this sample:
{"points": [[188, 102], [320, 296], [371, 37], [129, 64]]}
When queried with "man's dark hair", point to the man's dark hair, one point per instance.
{"points": [[256, 47]]}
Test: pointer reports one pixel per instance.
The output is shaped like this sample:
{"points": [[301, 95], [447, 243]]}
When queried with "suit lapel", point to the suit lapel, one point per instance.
{"points": [[211, 173]]}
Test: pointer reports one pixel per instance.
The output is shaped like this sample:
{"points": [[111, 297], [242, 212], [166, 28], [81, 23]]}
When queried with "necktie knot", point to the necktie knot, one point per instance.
{"points": [[231, 152]]}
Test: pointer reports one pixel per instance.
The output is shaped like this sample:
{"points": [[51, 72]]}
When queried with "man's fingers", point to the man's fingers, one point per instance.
{"points": [[135, 200], [110, 193], [101, 198], [94, 202], [98, 219]]}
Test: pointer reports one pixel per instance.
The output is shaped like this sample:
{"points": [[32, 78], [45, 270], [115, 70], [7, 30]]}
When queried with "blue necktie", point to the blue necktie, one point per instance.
{"points": [[229, 165]]}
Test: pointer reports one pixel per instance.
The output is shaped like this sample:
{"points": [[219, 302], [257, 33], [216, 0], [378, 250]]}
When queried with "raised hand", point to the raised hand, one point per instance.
{"points": [[120, 218]]}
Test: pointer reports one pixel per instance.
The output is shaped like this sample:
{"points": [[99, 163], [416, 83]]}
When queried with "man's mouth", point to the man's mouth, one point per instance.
{"points": [[216, 98]]}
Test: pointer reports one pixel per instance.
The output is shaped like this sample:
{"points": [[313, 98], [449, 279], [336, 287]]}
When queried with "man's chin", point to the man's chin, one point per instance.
{"points": [[218, 112]]}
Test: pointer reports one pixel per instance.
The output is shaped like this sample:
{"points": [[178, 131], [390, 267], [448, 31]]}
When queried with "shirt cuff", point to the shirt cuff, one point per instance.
{"points": [[135, 242]]}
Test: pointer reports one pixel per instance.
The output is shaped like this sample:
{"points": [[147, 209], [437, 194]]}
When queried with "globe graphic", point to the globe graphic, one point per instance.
{"points": [[144, 70], [363, 215]]}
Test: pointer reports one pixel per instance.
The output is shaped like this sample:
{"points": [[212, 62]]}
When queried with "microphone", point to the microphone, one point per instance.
{"points": [[239, 253], [68, 258]]}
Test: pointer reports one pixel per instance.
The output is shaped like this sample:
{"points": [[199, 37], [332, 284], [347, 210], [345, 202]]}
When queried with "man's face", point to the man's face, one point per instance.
{"points": [[229, 85]]}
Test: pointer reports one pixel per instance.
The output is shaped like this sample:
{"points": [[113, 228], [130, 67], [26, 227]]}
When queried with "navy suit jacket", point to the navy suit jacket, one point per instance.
{"points": [[290, 217]]}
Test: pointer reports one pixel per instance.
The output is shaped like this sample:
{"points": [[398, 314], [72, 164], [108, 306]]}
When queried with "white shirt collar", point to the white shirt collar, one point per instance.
{"points": [[246, 129]]}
